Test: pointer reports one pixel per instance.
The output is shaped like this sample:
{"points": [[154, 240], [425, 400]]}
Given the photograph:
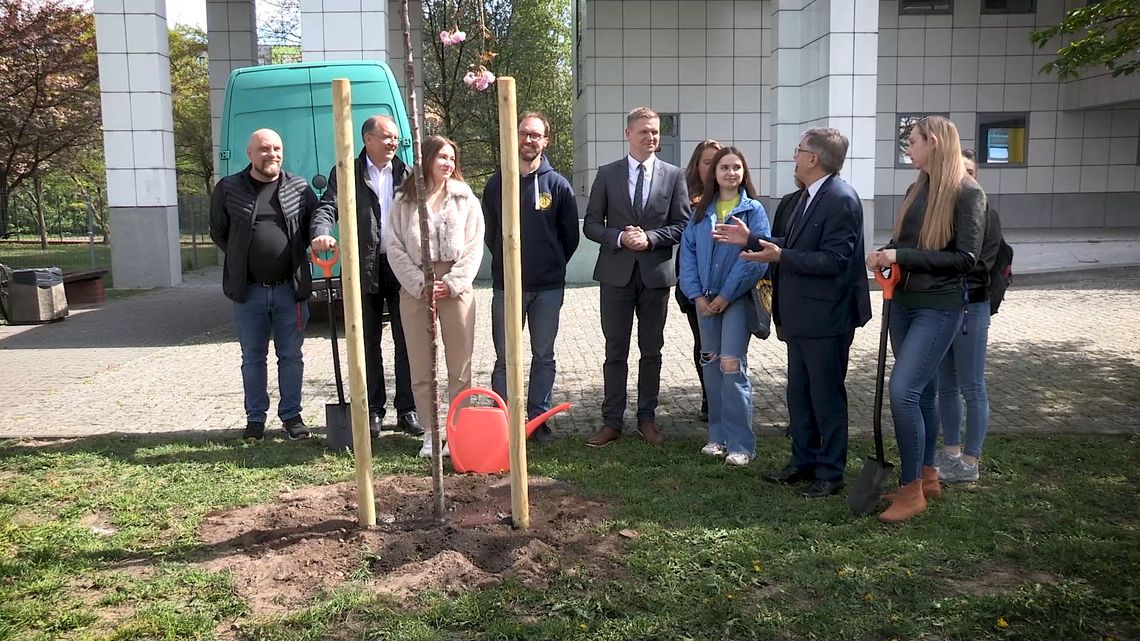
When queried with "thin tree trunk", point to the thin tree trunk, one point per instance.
{"points": [[428, 269], [38, 200], [5, 201]]}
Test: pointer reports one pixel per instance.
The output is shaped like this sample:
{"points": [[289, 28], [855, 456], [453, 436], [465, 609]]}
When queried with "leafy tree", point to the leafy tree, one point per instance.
{"points": [[528, 39], [49, 96], [190, 96], [1108, 35]]}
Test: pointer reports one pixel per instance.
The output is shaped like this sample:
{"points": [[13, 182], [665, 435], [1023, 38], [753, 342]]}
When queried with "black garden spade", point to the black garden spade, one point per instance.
{"points": [[864, 497], [338, 416]]}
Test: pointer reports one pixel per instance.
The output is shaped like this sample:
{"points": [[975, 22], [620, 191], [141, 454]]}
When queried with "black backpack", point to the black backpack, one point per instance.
{"points": [[1001, 275]]}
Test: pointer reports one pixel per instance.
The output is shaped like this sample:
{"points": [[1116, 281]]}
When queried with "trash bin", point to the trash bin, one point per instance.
{"points": [[36, 295]]}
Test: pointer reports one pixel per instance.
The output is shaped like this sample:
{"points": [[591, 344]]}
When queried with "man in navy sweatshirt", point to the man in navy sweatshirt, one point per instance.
{"points": [[548, 216]]}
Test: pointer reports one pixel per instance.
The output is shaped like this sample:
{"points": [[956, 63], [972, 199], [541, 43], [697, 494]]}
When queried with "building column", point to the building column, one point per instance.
{"points": [[231, 31], [348, 29], [138, 142], [825, 56]]}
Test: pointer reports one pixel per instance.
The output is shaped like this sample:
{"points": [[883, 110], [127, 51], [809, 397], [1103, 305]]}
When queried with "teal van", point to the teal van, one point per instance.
{"points": [[295, 100]]}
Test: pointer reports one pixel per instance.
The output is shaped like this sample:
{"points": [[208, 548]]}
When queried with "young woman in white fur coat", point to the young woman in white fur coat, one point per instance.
{"points": [[456, 241]]}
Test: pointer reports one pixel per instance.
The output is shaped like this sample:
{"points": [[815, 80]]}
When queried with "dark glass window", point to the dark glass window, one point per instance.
{"points": [[1009, 6], [925, 7], [1002, 139]]}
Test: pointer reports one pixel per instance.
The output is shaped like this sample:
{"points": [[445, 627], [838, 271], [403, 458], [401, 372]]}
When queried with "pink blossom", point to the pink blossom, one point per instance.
{"points": [[485, 80], [458, 36], [445, 38], [469, 78]]}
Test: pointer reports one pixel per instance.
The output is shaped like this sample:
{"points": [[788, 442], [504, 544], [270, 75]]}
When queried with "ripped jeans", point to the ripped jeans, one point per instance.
{"points": [[724, 357]]}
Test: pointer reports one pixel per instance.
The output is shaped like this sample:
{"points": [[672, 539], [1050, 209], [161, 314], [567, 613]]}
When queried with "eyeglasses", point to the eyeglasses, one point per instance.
{"points": [[800, 150], [384, 138], [529, 136]]}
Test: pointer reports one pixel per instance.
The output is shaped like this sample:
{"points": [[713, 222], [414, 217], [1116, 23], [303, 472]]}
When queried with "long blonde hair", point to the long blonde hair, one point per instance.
{"points": [[945, 180]]}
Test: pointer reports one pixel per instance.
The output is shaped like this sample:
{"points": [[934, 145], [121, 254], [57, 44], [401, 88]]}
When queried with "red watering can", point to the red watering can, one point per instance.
{"points": [[477, 436]]}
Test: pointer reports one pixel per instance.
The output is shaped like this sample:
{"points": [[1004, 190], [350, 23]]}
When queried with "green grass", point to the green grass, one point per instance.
{"points": [[77, 257], [1045, 547]]}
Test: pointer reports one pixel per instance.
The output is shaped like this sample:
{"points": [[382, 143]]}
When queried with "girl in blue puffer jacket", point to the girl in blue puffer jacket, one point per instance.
{"points": [[719, 284]]}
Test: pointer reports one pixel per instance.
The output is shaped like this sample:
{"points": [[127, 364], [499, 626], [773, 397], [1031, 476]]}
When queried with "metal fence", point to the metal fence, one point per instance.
{"points": [[76, 240]]}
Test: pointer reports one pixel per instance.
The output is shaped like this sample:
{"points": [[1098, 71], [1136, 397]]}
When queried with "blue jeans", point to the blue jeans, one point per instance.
{"points": [[963, 373], [920, 339], [542, 309], [271, 311], [726, 335]]}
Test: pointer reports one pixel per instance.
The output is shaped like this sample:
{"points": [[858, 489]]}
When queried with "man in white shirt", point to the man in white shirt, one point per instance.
{"points": [[379, 172]]}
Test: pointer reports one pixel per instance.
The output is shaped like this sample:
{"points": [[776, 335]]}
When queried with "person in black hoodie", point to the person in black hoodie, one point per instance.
{"points": [[936, 242], [548, 216], [379, 173], [260, 218]]}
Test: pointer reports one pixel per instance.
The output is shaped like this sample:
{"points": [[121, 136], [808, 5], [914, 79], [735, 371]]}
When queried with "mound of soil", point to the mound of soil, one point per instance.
{"points": [[282, 553]]}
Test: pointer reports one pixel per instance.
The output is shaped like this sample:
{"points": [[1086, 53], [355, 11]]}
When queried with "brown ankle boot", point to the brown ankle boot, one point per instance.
{"points": [[931, 486], [909, 502]]}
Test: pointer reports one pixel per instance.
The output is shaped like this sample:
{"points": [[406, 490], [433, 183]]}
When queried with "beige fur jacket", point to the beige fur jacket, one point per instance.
{"points": [[458, 238]]}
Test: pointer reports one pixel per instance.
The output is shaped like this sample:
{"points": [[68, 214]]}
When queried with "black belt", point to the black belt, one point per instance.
{"points": [[272, 283]]}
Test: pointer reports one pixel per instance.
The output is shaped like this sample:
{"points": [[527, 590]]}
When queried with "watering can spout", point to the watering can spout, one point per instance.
{"points": [[541, 418]]}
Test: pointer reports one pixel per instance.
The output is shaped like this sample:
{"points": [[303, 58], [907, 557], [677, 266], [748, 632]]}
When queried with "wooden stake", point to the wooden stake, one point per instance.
{"points": [[350, 294], [512, 304]]}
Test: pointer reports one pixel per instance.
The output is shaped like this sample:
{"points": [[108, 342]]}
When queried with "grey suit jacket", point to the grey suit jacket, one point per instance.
{"points": [[663, 218]]}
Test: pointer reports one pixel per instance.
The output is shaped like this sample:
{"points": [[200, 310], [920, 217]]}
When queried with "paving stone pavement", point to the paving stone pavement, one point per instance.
{"points": [[1063, 358]]}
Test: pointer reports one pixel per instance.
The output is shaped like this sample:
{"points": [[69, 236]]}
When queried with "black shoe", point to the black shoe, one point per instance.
{"points": [[789, 475], [295, 429], [819, 489], [254, 431], [375, 422], [409, 423], [543, 435]]}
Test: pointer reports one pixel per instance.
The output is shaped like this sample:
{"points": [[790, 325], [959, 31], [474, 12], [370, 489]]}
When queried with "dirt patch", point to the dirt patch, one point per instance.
{"points": [[282, 553], [996, 579]]}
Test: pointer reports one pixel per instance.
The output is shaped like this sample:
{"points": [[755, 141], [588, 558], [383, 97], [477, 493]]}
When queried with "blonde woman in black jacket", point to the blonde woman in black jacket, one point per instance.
{"points": [[937, 240]]}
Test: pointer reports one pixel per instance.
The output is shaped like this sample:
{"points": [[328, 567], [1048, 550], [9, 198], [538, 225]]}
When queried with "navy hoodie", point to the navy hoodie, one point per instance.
{"points": [[548, 215]]}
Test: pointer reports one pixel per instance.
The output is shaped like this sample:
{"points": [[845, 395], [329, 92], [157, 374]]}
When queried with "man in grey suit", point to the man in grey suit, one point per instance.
{"points": [[638, 207]]}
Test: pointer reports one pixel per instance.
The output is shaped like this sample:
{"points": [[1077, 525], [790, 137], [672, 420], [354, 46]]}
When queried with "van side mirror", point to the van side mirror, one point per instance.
{"points": [[320, 181]]}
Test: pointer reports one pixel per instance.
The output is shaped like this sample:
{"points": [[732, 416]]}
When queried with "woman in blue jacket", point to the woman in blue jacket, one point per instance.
{"points": [[719, 282]]}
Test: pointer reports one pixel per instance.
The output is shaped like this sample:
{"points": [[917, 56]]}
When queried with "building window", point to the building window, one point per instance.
{"points": [[906, 123], [1002, 139], [925, 7], [1009, 6]]}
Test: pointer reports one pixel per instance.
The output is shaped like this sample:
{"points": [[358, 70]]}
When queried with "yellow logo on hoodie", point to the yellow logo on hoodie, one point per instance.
{"points": [[545, 200]]}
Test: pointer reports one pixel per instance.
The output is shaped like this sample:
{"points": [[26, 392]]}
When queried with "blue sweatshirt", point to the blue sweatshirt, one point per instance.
{"points": [[716, 269], [548, 219]]}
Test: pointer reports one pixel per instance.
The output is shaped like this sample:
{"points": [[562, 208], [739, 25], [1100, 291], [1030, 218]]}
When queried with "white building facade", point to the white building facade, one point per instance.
{"points": [[756, 73]]}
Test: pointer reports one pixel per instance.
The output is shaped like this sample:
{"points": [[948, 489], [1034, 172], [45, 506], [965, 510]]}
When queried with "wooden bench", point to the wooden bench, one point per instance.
{"points": [[84, 288]]}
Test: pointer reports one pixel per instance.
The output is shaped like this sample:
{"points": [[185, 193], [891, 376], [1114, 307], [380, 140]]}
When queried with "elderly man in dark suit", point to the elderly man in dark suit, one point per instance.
{"points": [[819, 297], [379, 173], [638, 207]]}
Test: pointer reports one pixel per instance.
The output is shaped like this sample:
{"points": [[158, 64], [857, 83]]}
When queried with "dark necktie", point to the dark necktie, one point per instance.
{"points": [[638, 189], [797, 213]]}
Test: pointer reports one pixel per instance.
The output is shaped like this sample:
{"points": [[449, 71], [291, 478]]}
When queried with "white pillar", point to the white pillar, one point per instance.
{"points": [[138, 141], [349, 29], [231, 30], [825, 57]]}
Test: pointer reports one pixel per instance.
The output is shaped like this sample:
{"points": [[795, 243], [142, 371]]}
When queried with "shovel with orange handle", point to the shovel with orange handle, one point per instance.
{"points": [[865, 495]]}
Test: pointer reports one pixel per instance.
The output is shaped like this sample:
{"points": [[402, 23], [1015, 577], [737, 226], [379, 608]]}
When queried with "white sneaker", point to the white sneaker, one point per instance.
{"points": [[713, 449], [425, 451], [738, 458], [942, 459], [958, 471]]}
